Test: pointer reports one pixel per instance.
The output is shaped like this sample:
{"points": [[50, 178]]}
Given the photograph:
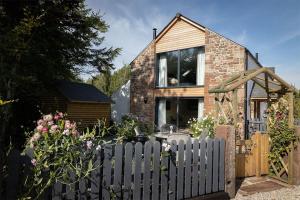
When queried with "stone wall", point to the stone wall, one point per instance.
{"points": [[223, 58], [142, 102]]}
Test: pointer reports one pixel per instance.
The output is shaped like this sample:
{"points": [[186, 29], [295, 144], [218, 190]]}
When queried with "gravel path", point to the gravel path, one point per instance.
{"points": [[292, 193]]}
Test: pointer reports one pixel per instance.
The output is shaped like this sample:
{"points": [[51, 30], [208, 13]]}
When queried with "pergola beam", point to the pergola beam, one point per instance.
{"points": [[270, 81], [238, 80]]}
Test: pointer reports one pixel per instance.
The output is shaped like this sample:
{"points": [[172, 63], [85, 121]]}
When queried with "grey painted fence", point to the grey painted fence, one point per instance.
{"points": [[146, 172]]}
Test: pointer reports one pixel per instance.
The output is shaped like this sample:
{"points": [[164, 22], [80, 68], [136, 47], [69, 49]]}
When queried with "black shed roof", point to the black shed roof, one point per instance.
{"points": [[81, 92]]}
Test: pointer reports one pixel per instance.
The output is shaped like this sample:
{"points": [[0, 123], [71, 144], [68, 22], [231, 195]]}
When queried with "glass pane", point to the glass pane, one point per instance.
{"points": [[172, 66], [188, 66], [171, 111], [188, 109]]}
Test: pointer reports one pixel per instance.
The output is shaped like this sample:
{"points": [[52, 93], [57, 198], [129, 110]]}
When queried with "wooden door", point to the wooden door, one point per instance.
{"points": [[252, 156]]}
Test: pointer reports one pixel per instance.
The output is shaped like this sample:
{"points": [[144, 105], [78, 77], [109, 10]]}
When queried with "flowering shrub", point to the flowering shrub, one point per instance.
{"points": [[58, 150], [197, 126], [280, 134]]}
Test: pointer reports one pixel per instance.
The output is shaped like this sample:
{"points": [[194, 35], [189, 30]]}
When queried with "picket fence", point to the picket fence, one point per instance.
{"points": [[137, 171]]}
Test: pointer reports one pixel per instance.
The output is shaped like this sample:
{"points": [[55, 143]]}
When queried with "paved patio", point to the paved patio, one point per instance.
{"points": [[253, 185]]}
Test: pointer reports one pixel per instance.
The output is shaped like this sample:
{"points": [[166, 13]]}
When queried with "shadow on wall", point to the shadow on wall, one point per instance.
{"points": [[121, 105]]}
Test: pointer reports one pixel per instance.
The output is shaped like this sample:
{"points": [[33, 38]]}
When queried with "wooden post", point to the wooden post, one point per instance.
{"points": [[291, 109], [290, 165], [217, 99], [258, 154], [227, 132], [235, 107], [268, 97]]}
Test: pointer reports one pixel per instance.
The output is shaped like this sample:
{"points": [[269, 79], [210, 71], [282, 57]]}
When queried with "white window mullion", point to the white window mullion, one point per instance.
{"points": [[162, 112], [162, 74], [200, 108], [200, 67]]}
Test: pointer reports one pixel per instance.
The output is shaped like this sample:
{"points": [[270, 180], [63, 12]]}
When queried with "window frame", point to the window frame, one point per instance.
{"points": [[178, 70], [176, 99]]}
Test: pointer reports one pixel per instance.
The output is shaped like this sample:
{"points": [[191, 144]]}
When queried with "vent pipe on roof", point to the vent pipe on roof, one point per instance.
{"points": [[256, 56], [154, 33]]}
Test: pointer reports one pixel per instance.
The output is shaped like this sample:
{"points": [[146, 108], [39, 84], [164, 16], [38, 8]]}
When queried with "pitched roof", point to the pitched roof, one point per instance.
{"points": [[81, 92]]}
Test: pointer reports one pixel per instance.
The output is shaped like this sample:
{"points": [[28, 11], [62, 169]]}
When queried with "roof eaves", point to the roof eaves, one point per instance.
{"points": [[142, 51], [174, 19], [227, 38]]}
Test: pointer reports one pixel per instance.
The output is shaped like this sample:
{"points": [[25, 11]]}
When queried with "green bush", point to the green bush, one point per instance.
{"points": [[197, 126], [125, 130]]}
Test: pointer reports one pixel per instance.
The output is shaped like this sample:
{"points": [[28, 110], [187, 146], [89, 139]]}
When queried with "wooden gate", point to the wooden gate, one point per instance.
{"points": [[252, 156]]}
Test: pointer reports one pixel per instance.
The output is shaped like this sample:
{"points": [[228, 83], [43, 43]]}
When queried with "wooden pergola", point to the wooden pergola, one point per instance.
{"points": [[263, 77]]}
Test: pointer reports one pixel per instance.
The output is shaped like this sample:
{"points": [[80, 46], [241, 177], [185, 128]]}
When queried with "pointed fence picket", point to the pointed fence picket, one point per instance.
{"points": [[137, 171]]}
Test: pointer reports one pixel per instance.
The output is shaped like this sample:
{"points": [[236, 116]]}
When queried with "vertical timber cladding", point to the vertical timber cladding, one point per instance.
{"points": [[180, 35], [223, 58]]}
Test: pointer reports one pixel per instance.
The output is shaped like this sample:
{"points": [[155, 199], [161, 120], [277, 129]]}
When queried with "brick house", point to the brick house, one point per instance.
{"points": [[172, 75]]}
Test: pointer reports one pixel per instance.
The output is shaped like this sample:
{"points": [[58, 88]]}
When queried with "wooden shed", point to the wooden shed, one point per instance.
{"points": [[83, 103]]}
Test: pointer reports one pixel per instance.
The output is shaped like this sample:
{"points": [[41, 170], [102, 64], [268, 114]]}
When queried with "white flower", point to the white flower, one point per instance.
{"points": [[167, 146], [89, 144], [66, 132], [98, 147]]}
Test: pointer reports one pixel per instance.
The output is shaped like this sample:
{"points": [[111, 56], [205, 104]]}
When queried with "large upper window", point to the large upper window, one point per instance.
{"points": [[181, 68]]}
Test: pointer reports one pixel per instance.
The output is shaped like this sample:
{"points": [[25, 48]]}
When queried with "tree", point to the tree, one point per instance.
{"points": [[109, 83], [41, 41]]}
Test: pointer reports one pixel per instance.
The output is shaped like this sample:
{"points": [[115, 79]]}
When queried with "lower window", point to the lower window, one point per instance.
{"points": [[178, 111]]}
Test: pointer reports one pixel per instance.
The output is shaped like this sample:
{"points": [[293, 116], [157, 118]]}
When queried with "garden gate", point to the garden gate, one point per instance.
{"points": [[252, 156], [150, 171]]}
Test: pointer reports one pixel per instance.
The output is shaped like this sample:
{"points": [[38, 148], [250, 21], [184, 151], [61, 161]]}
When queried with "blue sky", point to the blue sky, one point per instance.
{"points": [[269, 27]]}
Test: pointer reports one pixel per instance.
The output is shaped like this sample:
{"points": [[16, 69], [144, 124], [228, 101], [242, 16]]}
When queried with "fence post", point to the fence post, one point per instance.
{"points": [[295, 161], [14, 165], [227, 132]]}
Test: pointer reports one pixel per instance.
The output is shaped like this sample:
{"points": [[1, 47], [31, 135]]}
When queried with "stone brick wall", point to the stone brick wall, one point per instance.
{"points": [[143, 83], [223, 58]]}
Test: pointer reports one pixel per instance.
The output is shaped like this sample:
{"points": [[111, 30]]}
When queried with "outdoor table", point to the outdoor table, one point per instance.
{"points": [[177, 136]]}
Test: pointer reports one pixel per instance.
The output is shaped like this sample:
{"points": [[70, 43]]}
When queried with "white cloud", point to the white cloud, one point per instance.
{"points": [[288, 36], [131, 33], [242, 37]]}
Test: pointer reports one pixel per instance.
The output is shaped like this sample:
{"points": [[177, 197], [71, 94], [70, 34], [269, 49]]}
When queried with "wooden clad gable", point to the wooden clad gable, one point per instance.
{"points": [[180, 35]]}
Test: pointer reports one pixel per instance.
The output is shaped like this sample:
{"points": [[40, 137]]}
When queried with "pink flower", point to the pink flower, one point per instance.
{"points": [[56, 117], [39, 128], [50, 123], [67, 124], [89, 144], [40, 122], [33, 162], [48, 117], [53, 128], [44, 130]]}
